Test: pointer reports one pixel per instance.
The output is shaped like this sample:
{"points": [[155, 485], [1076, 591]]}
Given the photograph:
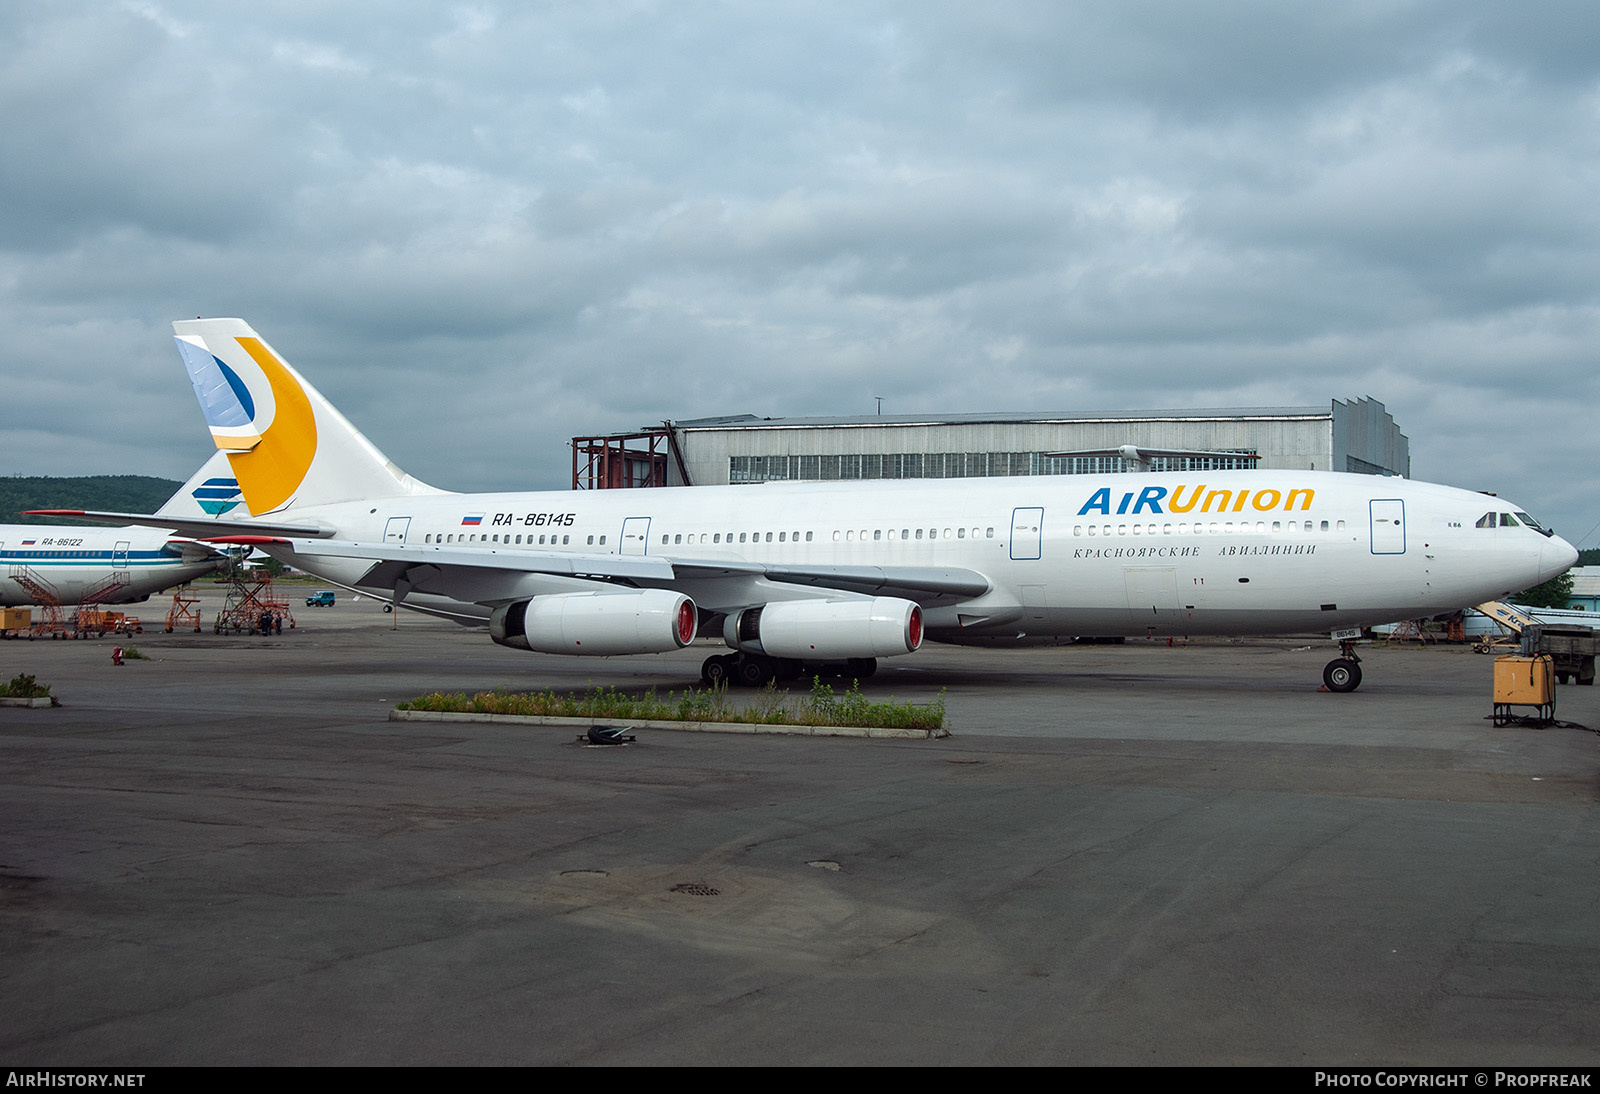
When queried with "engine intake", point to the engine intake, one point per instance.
{"points": [[884, 626], [597, 624]]}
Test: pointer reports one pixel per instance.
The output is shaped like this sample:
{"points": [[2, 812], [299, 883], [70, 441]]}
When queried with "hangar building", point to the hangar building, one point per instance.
{"points": [[1358, 436]]}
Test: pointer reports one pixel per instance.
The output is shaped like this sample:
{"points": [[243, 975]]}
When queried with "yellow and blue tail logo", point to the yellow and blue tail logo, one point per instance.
{"points": [[285, 443], [270, 436]]}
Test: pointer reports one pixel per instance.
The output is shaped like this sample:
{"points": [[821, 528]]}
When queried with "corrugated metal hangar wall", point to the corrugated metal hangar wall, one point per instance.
{"points": [[1357, 436]]}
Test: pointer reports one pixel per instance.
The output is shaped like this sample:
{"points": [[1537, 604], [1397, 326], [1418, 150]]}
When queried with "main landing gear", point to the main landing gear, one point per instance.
{"points": [[1343, 673], [755, 670]]}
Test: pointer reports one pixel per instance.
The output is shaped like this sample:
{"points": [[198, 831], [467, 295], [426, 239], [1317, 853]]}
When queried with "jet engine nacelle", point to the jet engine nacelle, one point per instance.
{"points": [[811, 630], [597, 624]]}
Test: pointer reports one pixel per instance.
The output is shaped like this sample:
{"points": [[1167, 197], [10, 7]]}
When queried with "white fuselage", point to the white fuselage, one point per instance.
{"points": [[110, 565], [1224, 552]]}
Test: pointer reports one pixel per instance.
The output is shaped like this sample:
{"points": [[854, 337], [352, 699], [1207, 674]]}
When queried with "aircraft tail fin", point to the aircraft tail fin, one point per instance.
{"points": [[285, 444], [210, 492]]}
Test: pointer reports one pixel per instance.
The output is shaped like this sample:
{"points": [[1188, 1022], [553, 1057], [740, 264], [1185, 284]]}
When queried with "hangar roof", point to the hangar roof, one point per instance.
{"points": [[751, 421]]}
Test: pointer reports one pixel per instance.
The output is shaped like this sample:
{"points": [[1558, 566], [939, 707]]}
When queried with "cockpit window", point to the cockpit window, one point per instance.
{"points": [[1507, 520], [1535, 525]]}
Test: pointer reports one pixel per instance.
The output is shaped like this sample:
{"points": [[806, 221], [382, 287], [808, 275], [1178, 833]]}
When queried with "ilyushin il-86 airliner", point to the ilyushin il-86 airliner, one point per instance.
{"points": [[799, 576], [64, 564]]}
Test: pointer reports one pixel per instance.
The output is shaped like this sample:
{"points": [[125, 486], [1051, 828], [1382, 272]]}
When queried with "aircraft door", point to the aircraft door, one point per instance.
{"points": [[636, 535], [395, 530], [1152, 595], [119, 555], [1027, 533], [1388, 526]]}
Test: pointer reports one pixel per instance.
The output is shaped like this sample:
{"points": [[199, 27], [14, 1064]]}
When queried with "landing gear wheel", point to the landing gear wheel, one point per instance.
{"points": [[862, 668], [716, 671], [1341, 674], [753, 672]]}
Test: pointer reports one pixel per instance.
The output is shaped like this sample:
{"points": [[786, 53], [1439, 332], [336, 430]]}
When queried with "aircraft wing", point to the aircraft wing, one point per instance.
{"points": [[918, 583], [390, 556], [487, 575]]}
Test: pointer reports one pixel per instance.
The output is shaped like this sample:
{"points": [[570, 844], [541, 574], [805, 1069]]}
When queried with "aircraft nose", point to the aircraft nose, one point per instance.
{"points": [[1556, 558]]}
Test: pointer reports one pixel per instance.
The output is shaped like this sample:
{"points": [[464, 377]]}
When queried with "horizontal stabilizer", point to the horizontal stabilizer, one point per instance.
{"points": [[192, 526]]}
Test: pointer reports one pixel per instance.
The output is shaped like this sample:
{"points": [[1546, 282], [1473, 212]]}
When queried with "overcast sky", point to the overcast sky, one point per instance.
{"points": [[481, 229]]}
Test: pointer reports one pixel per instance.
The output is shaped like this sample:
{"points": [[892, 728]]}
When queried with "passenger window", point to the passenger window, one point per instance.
{"points": [[877, 533], [919, 533], [808, 537], [591, 540], [988, 533], [677, 539], [717, 538], [1324, 526], [564, 540], [769, 537], [781, 537], [741, 537]]}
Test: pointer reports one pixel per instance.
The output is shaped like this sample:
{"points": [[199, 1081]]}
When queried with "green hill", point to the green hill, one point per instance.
{"points": [[118, 493]]}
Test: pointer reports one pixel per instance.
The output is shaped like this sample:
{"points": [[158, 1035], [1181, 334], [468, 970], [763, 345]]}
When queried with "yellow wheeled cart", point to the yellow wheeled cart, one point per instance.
{"points": [[1524, 682]]}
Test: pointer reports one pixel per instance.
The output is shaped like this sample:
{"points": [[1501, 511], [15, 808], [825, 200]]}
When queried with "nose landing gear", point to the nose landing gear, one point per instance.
{"points": [[1343, 673]]}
